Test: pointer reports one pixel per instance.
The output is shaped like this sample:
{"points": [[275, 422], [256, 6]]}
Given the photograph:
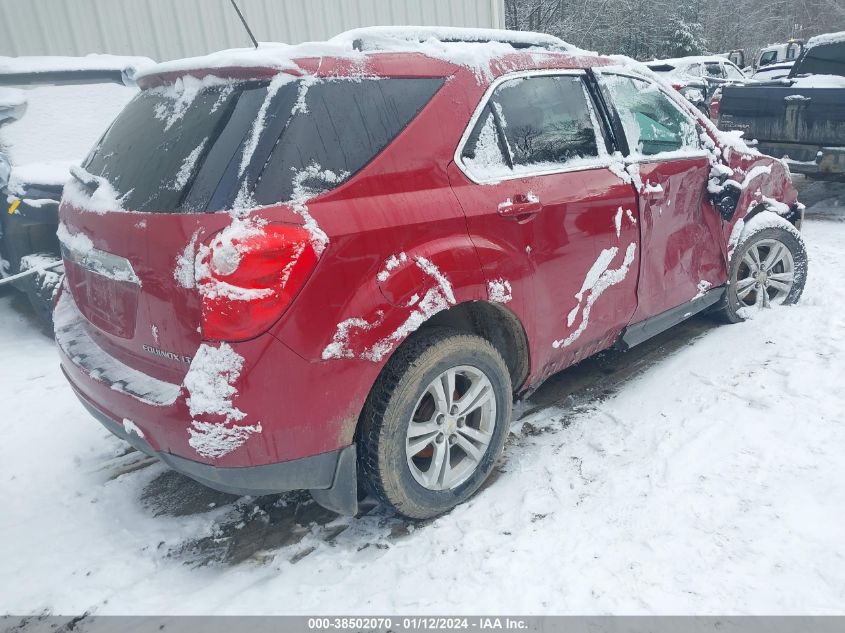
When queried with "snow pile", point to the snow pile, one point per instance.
{"points": [[130, 427], [817, 81], [390, 264], [103, 199], [826, 38], [303, 191], [599, 278], [437, 298], [475, 51], [180, 95], [79, 243], [210, 388], [702, 287], [216, 440], [209, 381], [187, 167], [12, 98], [499, 290], [339, 347]]}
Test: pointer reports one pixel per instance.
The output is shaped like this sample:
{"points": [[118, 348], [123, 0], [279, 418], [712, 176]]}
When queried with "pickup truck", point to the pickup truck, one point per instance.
{"points": [[800, 118]]}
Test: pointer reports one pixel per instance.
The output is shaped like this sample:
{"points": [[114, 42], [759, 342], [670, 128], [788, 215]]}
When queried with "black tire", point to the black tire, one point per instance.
{"points": [[729, 309], [382, 461]]}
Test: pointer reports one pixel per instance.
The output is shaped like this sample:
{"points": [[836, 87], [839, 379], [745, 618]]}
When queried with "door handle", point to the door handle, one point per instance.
{"points": [[522, 208]]}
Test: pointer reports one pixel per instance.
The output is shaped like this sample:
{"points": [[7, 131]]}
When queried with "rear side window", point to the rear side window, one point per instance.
{"points": [[195, 146], [652, 123], [532, 125], [340, 126]]}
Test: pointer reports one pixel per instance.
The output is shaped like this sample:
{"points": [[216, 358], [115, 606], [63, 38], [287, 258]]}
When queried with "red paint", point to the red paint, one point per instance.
{"points": [[410, 199]]}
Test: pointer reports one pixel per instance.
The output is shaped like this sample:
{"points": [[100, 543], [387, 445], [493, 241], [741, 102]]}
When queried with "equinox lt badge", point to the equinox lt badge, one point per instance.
{"points": [[169, 355]]}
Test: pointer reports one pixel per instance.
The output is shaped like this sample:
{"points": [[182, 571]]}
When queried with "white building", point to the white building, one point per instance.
{"points": [[167, 29]]}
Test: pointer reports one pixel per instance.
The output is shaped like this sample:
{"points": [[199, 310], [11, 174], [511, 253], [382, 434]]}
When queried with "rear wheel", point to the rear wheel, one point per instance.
{"points": [[435, 423], [767, 269]]}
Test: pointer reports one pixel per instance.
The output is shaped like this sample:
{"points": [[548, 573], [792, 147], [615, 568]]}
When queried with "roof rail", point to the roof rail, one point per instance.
{"points": [[382, 37]]}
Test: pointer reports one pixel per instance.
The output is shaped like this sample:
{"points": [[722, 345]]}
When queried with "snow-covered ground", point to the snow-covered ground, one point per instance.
{"points": [[709, 480]]}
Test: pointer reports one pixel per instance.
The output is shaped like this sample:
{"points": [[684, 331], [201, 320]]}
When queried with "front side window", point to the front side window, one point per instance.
{"points": [[531, 125], [769, 57], [733, 72], [652, 123]]}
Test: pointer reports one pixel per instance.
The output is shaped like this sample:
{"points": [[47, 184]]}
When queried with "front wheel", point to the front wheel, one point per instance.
{"points": [[435, 423], [768, 268]]}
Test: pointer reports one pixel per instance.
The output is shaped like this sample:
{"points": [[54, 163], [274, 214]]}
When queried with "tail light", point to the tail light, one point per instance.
{"points": [[677, 86], [715, 105], [247, 282]]}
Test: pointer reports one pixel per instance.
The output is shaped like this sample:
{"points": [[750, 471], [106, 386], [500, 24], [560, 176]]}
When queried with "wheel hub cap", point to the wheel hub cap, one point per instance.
{"points": [[765, 275], [451, 428]]}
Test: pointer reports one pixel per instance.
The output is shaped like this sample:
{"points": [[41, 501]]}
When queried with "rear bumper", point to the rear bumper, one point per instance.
{"points": [[301, 432], [330, 477]]}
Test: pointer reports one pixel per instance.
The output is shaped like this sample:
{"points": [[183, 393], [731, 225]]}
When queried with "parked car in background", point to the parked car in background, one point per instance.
{"points": [[773, 71], [800, 118], [778, 53], [62, 106], [338, 262], [697, 78]]}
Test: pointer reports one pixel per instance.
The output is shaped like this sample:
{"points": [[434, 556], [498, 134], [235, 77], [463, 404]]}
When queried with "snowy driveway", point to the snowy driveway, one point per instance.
{"points": [[700, 473]]}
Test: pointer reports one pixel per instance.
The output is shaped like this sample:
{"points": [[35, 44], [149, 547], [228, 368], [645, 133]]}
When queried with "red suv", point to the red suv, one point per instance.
{"points": [[333, 266]]}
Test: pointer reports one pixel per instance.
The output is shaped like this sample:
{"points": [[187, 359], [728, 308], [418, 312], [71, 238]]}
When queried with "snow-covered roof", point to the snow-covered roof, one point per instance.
{"points": [[471, 48], [377, 36], [827, 38], [686, 61], [48, 63]]}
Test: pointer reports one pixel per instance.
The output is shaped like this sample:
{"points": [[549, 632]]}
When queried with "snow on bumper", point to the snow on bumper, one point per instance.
{"points": [[279, 418]]}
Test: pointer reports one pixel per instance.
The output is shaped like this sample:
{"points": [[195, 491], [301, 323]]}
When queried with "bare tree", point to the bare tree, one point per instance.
{"points": [[646, 29]]}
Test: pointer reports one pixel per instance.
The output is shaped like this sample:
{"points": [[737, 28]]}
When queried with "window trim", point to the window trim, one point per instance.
{"points": [[603, 160], [617, 121]]}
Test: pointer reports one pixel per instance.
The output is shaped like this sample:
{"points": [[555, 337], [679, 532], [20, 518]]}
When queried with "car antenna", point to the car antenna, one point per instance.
{"points": [[243, 21]]}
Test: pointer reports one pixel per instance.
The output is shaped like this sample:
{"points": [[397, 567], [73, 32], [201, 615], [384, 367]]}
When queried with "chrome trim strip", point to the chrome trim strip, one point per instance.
{"points": [[102, 263]]}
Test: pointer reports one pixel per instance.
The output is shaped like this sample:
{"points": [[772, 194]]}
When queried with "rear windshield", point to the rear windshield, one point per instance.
{"points": [[824, 59], [193, 147]]}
